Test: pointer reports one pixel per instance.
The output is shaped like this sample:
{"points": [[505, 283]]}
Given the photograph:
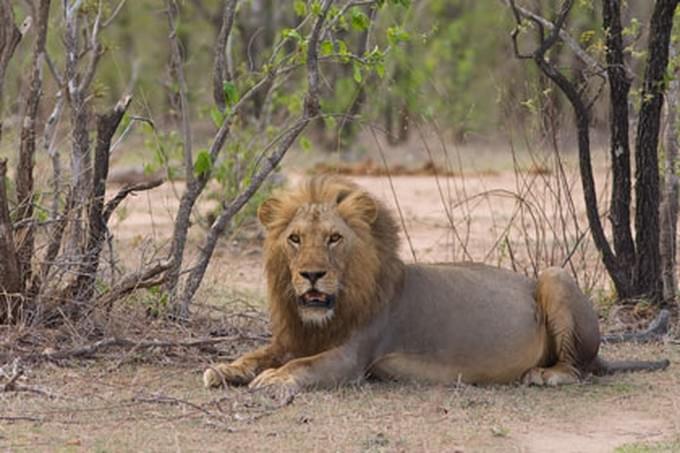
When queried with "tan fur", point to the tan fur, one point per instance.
{"points": [[344, 305]]}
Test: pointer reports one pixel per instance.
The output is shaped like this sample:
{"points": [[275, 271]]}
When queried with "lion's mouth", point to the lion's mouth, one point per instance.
{"points": [[316, 299]]}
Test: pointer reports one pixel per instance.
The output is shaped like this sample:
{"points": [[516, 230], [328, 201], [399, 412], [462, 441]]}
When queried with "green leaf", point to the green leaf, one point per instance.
{"points": [[291, 33], [396, 35], [356, 72], [326, 48], [380, 69], [305, 143], [330, 122], [360, 21], [300, 7], [217, 116], [230, 93], [203, 163], [316, 7]]}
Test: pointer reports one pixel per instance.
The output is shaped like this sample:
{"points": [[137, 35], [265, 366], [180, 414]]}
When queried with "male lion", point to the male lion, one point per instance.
{"points": [[344, 305]]}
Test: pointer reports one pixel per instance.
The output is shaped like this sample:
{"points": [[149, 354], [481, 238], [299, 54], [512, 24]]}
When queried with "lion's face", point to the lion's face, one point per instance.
{"points": [[320, 241]]}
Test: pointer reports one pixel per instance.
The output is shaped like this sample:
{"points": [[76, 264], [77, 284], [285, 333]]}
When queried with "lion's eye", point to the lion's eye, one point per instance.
{"points": [[294, 239], [334, 238]]}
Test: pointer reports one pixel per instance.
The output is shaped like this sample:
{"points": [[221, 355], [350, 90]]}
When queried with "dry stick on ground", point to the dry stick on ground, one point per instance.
{"points": [[310, 111], [117, 342]]}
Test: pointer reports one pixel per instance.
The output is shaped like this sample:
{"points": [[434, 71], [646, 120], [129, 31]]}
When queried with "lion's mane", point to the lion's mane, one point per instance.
{"points": [[372, 277]]}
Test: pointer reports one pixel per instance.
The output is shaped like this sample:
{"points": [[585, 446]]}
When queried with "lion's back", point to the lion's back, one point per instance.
{"points": [[483, 319]]}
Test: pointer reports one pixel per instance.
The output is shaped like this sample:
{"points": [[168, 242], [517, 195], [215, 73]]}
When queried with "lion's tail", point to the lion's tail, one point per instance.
{"points": [[601, 367]]}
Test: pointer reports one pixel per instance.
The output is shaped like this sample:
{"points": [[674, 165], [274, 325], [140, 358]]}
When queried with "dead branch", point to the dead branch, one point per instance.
{"points": [[654, 332], [128, 189], [145, 278], [311, 111]]}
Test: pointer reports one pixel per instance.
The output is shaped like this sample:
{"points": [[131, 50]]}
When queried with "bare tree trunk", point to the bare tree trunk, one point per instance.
{"points": [[669, 205], [11, 284], [9, 40], [619, 88], [647, 278], [107, 123], [24, 177]]}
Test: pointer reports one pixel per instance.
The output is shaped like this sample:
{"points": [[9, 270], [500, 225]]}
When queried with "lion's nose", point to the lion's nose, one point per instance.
{"points": [[313, 277]]}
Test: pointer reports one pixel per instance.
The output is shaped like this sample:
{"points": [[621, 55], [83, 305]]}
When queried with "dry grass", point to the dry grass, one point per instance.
{"points": [[157, 407], [150, 398]]}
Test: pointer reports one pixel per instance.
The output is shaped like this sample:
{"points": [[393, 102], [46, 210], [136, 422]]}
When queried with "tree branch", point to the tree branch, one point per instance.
{"points": [[220, 67], [311, 110]]}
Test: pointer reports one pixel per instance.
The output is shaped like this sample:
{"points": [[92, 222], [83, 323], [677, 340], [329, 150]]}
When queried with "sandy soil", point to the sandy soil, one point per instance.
{"points": [[141, 406]]}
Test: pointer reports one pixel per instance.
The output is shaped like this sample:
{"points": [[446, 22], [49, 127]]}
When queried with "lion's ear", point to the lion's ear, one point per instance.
{"points": [[268, 211], [361, 204]]}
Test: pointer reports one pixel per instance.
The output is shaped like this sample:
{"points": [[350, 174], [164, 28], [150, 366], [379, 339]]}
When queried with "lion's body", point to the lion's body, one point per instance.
{"points": [[344, 305]]}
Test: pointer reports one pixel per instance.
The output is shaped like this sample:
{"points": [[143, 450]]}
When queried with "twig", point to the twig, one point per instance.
{"points": [[128, 189]]}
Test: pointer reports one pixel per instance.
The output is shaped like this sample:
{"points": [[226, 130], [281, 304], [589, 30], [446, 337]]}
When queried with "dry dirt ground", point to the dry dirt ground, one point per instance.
{"points": [[131, 403]]}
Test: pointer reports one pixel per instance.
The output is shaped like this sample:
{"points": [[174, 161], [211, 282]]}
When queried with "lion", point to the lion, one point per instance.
{"points": [[344, 306]]}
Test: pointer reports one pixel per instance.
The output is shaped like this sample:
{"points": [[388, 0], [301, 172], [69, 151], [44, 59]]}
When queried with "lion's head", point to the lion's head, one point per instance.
{"points": [[331, 260]]}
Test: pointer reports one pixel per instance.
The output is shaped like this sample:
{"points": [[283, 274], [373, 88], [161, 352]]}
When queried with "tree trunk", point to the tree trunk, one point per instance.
{"points": [[11, 284], [669, 203], [9, 40], [619, 88], [24, 177], [647, 278]]}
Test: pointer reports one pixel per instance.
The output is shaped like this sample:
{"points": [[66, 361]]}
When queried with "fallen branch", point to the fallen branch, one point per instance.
{"points": [[117, 342], [654, 332]]}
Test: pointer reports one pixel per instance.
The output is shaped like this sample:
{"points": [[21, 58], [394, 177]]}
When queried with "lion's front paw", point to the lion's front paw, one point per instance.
{"points": [[277, 383], [550, 377], [222, 374]]}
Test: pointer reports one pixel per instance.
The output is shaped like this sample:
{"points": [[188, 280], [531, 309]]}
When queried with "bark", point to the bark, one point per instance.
{"points": [[619, 88], [647, 278], [24, 176], [9, 40], [669, 203], [220, 67], [11, 283], [107, 124]]}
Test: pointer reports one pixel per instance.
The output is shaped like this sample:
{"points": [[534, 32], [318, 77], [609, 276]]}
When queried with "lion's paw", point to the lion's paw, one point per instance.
{"points": [[550, 377], [225, 374], [277, 384]]}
